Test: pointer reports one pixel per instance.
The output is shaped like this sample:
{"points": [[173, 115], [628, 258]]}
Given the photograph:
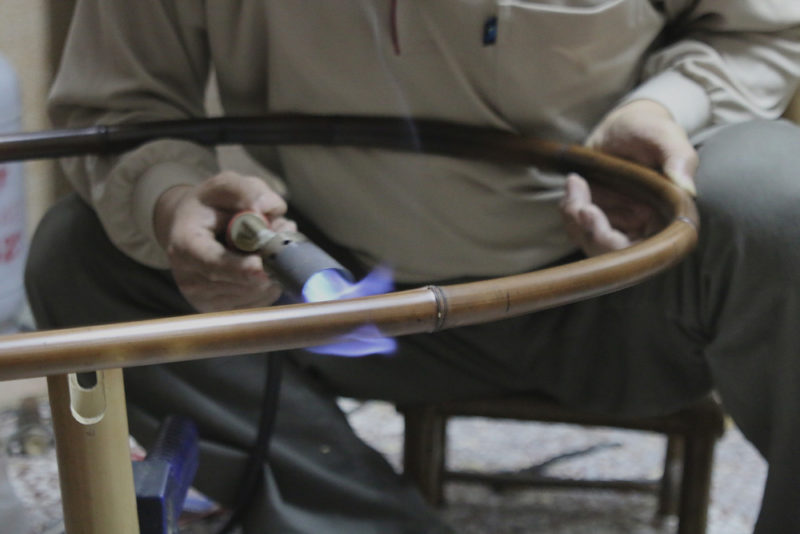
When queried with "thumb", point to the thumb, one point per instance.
{"points": [[680, 164], [230, 191], [644, 131]]}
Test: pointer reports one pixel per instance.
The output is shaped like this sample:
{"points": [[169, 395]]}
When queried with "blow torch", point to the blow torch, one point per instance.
{"points": [[308, 273], [290, 257], [293, 260]]}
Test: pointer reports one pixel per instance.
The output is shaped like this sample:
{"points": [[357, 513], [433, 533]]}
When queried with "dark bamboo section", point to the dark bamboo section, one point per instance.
{"points": [[421, 310]]}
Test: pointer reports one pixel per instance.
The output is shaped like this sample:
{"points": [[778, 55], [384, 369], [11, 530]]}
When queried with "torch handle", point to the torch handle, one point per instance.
{"points": [[288, 256]]}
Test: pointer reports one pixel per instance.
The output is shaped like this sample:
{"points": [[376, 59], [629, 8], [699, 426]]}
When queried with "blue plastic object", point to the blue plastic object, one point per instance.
{"points": [[163, 478]]}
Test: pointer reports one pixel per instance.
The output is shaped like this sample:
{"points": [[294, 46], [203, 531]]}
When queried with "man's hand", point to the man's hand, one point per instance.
{"points": [[599, 220], [188, 221]]}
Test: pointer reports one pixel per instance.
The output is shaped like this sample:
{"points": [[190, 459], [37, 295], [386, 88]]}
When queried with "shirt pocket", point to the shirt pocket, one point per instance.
{"points": [[565, 64]]}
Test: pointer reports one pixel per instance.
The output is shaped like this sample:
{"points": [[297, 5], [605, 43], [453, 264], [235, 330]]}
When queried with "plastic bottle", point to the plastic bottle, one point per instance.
{"points": [[13, 242]]}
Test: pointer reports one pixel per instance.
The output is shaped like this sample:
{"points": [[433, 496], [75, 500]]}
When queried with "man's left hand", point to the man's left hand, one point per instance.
{"points": [[600, 220]]}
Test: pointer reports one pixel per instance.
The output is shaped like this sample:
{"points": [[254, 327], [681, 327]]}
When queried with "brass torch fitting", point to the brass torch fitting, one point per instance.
{"points": [[288, 256]]}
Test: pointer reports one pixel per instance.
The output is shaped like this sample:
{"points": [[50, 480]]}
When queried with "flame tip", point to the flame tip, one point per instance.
{"points": [[330, 284]]}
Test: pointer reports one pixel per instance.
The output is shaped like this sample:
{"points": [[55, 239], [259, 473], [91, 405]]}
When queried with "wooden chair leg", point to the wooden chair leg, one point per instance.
{"points": [[670, 485], [696, 484], [424, 452], [684, 489]]}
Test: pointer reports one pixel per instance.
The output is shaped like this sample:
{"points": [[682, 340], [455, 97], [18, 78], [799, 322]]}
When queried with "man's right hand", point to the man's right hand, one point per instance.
{"points": [[188, 220]]}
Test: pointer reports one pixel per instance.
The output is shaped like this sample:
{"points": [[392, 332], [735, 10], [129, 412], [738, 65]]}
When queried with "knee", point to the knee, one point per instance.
{"points": [[75, 276], [52, 235], [749, 185], [55, 252]]}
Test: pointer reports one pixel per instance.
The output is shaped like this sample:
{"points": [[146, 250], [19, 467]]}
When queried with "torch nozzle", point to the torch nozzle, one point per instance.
{"points": [[288, 256]]}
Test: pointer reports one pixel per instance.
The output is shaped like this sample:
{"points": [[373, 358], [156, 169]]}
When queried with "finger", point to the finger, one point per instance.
{"points": [[635, 220], [624, 212], [200, 252], [576, 197], [599, 235], [270, 204], [646, 132], [680, 165], [230, 191], [627, 215], [232, 267], [260, 299], [199, 284], [677, 158], [205, 295], [609, 199], [282, 224], [576, 194], [203, 302]]}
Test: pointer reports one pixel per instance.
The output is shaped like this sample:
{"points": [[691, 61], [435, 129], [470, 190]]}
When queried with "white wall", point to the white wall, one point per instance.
{"points": [[29, 30], [26, 30]]}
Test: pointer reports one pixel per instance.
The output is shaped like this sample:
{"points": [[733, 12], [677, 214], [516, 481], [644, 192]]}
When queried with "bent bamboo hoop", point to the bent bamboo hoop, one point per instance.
{"points": [[426, 309]]}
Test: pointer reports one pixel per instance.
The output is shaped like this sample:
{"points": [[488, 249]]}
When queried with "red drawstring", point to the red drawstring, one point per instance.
{"points": [[393, 27]]}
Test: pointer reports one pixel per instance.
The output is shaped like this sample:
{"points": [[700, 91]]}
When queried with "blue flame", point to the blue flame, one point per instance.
{"points": [[329, 284]]}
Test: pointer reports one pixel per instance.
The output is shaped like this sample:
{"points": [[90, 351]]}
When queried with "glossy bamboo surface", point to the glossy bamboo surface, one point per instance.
{"points": [[94, 460], [426, 309]]}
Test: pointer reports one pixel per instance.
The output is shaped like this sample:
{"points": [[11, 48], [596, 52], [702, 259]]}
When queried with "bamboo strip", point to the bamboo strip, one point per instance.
{"points": [[421, 310]]}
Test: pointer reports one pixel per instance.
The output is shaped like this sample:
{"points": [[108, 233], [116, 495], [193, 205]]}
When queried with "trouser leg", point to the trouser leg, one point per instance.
{"points": [[750, 202], [321, 478]]}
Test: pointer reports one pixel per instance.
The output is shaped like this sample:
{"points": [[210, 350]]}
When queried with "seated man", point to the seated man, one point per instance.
{"points": [[687, 87]]}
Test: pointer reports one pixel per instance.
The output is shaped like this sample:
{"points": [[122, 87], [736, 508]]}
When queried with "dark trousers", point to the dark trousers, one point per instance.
{"points": [[726, 318]]}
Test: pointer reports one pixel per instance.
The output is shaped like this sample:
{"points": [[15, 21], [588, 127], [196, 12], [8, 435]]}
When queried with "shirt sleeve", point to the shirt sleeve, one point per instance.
{"points": [[726, 62], [134, 62]]}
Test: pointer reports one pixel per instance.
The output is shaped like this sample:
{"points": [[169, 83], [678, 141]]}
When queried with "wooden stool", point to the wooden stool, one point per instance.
{"points": [[692, 435]]}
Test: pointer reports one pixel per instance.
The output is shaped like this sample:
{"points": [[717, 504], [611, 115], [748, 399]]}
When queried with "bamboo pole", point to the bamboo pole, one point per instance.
{"points": [[425, 309], [422, 310], [94, 465], [92, 452]]}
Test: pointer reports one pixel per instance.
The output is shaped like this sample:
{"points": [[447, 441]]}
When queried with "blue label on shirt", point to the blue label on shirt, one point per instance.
{"points": [[490, 31]]}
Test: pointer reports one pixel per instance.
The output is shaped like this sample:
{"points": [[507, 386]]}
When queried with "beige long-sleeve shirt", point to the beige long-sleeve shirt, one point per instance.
{"points": [[551, 68]]}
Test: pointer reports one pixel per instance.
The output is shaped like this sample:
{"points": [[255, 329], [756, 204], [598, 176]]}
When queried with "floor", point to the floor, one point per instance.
{"points": [[475, 444], [29, 493], [570, 451]]}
